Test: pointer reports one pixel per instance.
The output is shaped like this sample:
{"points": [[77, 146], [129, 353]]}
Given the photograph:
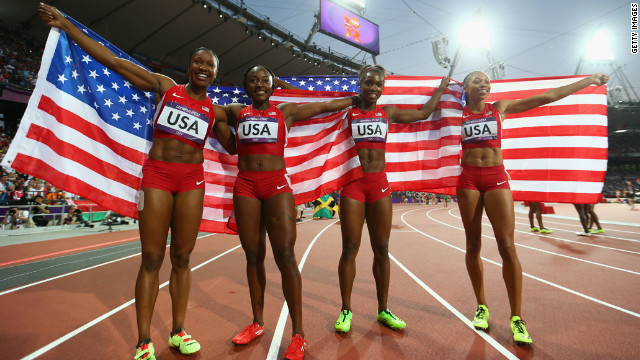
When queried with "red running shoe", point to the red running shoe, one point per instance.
{"points": [[296, 348], [249, 333]]}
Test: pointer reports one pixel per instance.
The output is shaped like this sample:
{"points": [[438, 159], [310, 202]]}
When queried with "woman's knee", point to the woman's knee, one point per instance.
{"points": [[254, 256], [180, 259], [507, 250], [285, 257], [151, 261], [380, 249], [474, 244]]}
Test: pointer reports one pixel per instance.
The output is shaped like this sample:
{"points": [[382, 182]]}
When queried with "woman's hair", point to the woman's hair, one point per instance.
{"points": [[256, 67], [468, 77], [202, 48], [367, 68]]}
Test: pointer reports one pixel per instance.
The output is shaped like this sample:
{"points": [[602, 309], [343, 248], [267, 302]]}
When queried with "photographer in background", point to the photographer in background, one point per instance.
{"points": [[15, 218], [38, 210], [74, 216]]}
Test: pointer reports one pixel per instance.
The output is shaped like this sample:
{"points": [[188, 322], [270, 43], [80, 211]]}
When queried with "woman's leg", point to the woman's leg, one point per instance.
{"points": [[471, 205], [378, 215], [583, 213], [252, 237], [279, 216], [351, 222], [185, 222], [155, 218], [499, 207]]}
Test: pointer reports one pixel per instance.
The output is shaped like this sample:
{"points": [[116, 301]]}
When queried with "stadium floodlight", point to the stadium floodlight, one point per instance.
{"points": [[475, 34], [599, 47]]}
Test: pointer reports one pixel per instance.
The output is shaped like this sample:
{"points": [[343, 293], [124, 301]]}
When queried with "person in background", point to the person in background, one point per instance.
{"points": [[593, 219], [535, 208]]}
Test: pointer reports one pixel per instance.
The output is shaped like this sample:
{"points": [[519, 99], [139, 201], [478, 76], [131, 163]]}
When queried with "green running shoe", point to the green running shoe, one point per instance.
{"points": [[598, 231], [392, 321], [183, 342], [534, 229], [520, 334], [481, 320], [343, 324], [145, 351], [546, 231]]}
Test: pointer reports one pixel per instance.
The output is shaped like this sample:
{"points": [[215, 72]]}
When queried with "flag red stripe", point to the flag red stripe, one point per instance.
{"points": [[38, 168], [557, 175], [80, 156], [90, 130], [575, 109], [521, 94], [556, 153], [561, 130], [213, 226], [560, 197]]}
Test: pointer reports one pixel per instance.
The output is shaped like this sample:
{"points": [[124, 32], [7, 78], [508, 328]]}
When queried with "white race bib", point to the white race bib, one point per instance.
{"points": [[258, 129], [369, 130], [479, 130], [181, 120]]}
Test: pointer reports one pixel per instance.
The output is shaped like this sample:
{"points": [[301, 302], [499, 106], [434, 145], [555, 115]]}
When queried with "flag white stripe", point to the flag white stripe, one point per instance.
{"points": [[547, 186], [556, 141], [555, 120], [556, 164]]}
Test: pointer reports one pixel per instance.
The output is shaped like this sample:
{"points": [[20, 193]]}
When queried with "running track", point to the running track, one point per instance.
{"points": [[72, 298]]}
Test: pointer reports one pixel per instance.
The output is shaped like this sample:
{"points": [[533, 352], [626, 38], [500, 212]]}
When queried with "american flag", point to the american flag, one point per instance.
{"points": [[87, 131]]}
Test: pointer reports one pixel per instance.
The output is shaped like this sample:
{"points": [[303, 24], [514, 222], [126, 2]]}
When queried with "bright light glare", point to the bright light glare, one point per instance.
{"points": [[475, 35], [599, 47]]}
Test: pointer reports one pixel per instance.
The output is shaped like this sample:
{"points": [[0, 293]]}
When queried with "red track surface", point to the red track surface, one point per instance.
{"points": [[581, 295]]}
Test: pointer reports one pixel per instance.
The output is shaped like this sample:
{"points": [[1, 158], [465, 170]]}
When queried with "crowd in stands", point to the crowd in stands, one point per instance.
{"points": [[19, 59], [415, 197], [17, 188]]}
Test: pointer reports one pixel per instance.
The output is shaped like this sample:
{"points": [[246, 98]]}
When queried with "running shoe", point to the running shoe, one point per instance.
{"points": [[392, 321], [145, 352], [534, 229], [596, 231], [580, 233], [183, 342], [343, 324], [545, 231], [296, 348], [481, 320], [249, 333], [520, 334]]}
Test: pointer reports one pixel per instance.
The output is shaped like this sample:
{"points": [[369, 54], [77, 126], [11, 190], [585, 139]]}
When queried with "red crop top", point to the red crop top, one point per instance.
{"points": [[183, 118], [368, 128], [483, 130], [261, 131]]}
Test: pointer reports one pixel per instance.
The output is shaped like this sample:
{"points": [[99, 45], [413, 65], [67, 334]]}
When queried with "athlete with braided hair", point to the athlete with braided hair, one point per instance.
{"points": [[369, 198]]}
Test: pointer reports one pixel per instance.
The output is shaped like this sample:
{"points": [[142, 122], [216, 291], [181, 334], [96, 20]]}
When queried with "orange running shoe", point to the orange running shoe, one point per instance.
{"points": [[249, 333], [296, 348]]}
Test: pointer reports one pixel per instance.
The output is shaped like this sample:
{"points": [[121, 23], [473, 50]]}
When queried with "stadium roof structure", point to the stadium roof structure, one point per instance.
{"points": [[162, 34]]}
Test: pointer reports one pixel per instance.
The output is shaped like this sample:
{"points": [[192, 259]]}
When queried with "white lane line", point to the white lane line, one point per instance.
{"points": [[455, 312], [606, 235], [86, 326], [523, 273], [554, 253], [274, 349], [78, 271]]}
